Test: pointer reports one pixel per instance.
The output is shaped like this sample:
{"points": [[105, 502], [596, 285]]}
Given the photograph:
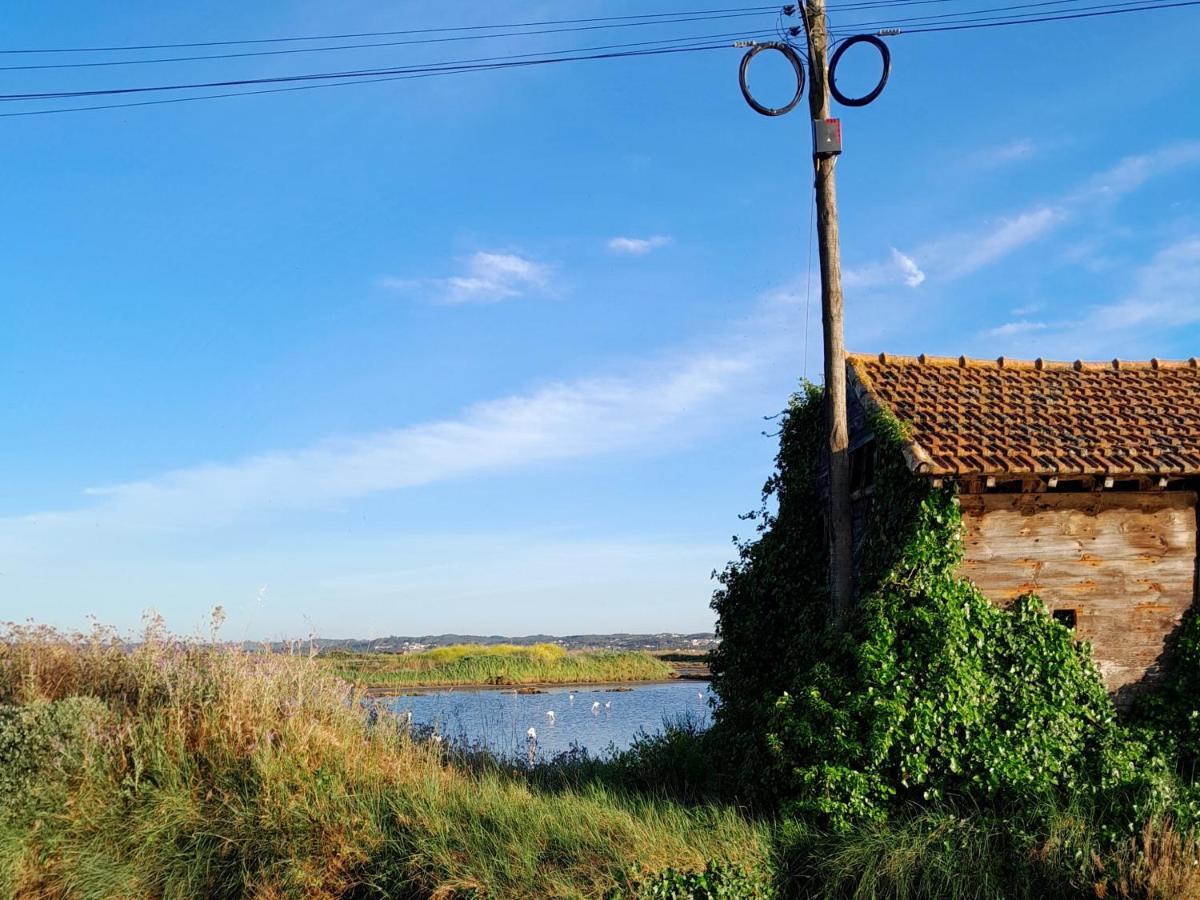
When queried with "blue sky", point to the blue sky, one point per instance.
{"points": [[492, 352]]}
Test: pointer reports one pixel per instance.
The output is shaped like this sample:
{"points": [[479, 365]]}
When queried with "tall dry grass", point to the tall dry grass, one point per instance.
{"points": [[177, 769], [1161, 864]]}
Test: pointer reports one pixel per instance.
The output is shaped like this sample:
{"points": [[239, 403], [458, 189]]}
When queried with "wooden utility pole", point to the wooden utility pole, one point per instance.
{"points": [[841, 541]]}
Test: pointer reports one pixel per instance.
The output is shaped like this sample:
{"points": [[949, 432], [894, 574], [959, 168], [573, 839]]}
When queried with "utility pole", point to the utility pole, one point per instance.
{"points": [[839, 519], [827, 144]]}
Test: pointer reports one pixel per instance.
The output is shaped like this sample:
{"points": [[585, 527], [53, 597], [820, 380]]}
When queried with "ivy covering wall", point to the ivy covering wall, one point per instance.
{"points": [[932, 693]]}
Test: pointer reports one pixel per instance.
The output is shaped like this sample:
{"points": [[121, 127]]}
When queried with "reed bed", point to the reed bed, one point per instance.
{"points": [[463, 664], [180, 769]]}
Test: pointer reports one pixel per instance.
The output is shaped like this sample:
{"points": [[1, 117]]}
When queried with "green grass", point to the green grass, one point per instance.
{"points": [[177, 770], [496, 664]]}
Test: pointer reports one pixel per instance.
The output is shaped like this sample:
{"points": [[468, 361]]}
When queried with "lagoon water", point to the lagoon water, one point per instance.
{"points": [[500, 719]]}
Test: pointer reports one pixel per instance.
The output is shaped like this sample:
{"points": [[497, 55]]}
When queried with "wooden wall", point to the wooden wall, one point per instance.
{"points": [[1125, 562]]}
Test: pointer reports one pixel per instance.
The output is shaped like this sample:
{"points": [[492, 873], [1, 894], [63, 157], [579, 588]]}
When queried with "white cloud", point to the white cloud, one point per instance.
{"points": [[487, 278], [653, 405], [963, 254], [1134, 171], [1021, 326], [184, 539], [638, 246], [1164, 295], [1021, 148], [913, 276], [899, 269], [956, 255], [1149, 319]]}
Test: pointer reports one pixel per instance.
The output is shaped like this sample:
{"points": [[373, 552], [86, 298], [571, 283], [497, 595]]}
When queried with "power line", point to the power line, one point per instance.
{"points": [[430, 72], [490, 62], [370, 34], [342, 47], [978, 13], [981, 15], [1000, 22], [342, 79]]}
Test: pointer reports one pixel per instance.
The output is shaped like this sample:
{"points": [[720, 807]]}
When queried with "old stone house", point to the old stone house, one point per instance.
{"points": [[1077, 482]]}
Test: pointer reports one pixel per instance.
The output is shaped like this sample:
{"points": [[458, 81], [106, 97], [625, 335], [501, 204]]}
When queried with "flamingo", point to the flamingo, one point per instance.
{"points": [[531, 734], [596, 706], [550, 715]]}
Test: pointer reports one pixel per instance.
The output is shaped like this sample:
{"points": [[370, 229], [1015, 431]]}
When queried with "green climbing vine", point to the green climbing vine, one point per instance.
{"points": [[933, 692]]}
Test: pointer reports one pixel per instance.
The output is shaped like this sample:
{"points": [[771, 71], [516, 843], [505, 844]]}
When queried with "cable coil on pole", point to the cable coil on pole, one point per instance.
{"points": [[884, 54], [792, 57]]}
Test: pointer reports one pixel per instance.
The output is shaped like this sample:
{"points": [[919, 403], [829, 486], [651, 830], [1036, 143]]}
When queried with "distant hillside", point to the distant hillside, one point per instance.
{"points": [[662, 641]]}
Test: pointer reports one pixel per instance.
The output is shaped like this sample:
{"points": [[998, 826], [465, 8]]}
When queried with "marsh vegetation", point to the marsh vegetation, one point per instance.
{"points": [[180, 769], [496, 664]]}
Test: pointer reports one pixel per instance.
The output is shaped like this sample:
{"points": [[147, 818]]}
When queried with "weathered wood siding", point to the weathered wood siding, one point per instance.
{"points": [[1125, 562]]}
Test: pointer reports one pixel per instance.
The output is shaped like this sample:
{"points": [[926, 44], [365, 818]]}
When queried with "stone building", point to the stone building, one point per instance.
{"points": [[1077, 482]]}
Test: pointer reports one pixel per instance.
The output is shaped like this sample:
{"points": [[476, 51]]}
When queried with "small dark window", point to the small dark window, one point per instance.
{"points": [[1065, 617], [862, 467]]}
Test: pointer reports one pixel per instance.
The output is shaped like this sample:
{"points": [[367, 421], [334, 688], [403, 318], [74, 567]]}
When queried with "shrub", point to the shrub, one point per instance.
{"points": [[40, 745], [718, 881]]}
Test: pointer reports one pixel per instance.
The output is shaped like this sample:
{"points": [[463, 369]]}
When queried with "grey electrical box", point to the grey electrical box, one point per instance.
{"points": [[827, 137]]}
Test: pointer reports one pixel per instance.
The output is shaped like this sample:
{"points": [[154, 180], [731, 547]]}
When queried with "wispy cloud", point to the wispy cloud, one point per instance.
{"points": [[486, 278], [653, 405], [958, 254], [1008, 152], [963, 254], [570, 419], [1134, 171], [1021, 326], [899, 269], [637, 246], [1144, 320], [206, 533], [1164, 295]]}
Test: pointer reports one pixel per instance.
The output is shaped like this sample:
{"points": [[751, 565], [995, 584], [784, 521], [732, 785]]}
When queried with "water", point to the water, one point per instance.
{"points": [[500, 719]]}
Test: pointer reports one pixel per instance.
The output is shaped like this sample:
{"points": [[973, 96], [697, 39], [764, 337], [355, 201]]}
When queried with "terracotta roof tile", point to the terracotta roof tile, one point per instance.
{"points": [[1039, 417]]}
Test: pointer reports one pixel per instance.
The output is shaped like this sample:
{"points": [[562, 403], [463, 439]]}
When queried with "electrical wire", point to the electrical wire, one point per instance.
{"points": [[344, 47], [881, 4], [1126, 6], [812, 212], [1050, 18], [366, 76], [400, 77], [979, 15], [369, 34], [506, 61], [969, 13]]}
